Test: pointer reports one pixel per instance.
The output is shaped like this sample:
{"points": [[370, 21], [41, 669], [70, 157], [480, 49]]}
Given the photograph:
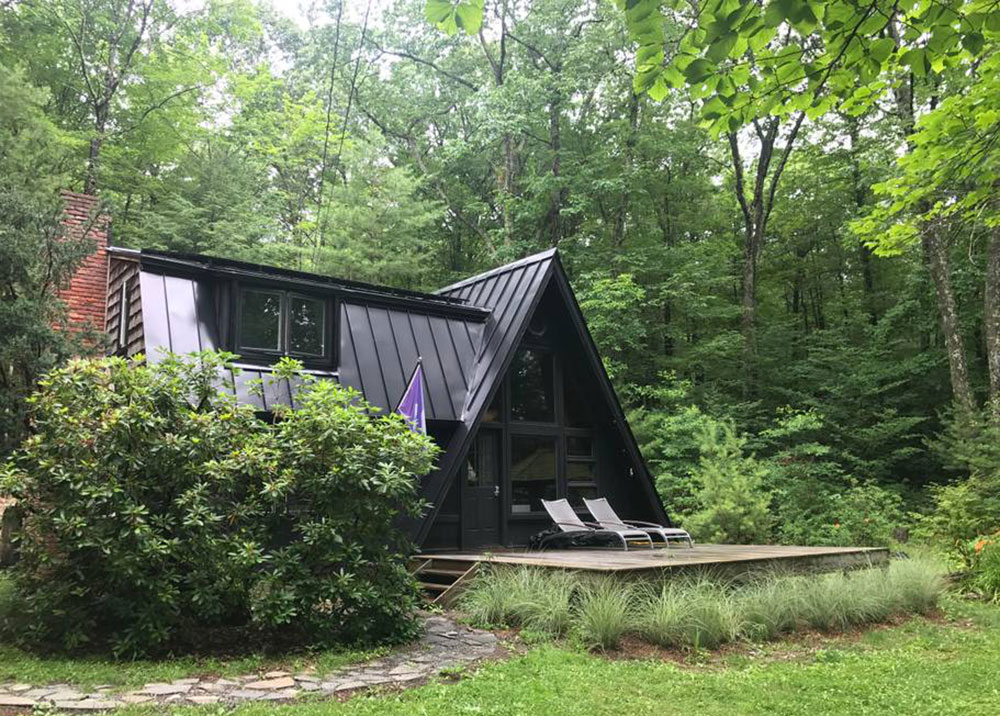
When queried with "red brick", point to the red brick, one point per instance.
{"points": [[85, 294]]}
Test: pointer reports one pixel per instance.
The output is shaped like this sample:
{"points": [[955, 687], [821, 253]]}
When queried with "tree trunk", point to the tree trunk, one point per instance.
{"points": [[558, 193], [864, 253], [96, 144], [991, 318], [936, 255], [621, 217]]}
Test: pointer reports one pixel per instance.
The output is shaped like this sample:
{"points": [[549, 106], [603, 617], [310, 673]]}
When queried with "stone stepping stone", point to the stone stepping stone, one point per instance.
{"points": [[165, 689], [281, 682], [9, 700], [87, 705]]}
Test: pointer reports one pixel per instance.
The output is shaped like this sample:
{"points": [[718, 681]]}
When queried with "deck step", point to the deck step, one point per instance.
{"points": [[431, 586], [442, 580], [444, 572]]}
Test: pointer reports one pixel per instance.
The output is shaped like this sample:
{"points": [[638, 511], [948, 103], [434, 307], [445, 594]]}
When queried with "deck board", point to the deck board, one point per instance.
{"points": [[747, 557]]}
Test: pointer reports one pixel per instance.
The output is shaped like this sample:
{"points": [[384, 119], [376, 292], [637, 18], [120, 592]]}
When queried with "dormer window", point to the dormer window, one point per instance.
{"points": [[276, 322]]}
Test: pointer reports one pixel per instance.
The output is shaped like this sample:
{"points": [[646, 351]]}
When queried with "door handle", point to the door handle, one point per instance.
{"points": [[496, 490]]}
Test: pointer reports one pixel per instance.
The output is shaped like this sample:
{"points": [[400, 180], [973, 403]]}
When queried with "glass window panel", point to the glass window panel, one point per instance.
{"points": [[575, 406], [584, 471], [306, 325], [481, 464], [531, 387], [576, 493], [579, 446], [532, 472], [260, 320]]}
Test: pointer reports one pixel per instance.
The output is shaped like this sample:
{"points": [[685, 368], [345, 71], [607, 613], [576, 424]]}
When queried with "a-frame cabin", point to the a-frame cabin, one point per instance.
{"points": [[517, 395], [541, 419]]}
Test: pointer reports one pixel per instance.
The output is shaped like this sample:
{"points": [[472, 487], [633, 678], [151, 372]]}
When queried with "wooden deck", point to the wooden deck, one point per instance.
{"points": [[725, 557]]}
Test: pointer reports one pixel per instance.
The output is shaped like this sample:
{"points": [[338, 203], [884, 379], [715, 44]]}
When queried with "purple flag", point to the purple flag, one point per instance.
{"points": [[411, 405]]}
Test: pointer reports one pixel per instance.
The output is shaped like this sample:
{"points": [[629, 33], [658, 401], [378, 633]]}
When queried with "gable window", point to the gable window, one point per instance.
{"points": [[282, 322], [532, 472], [581, 468], [532, 387]]}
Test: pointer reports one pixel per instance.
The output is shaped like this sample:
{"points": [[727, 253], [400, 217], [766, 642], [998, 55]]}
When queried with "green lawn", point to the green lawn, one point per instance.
{"points": [[19, 665], [921, 667]]}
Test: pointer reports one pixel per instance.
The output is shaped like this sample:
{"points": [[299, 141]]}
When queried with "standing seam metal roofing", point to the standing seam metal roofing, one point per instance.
{"points": [[379, 341]]}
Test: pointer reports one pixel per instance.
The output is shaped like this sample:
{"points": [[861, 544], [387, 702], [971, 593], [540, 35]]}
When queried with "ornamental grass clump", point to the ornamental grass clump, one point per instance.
{"points": [[158, 511], [770, 607], [917, 584], [543, 599], [604, 612], [491, 602], [538, 599], [699, 611]]}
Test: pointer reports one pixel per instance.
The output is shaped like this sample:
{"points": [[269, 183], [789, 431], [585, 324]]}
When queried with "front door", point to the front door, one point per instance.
{"points": [[481, 492]]}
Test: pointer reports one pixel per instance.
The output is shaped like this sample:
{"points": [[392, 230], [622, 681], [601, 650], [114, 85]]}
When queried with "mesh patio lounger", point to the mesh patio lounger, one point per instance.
{"points": [[572, 528], [608, 519]]}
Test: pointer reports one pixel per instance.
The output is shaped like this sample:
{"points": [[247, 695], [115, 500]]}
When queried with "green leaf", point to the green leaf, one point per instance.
{"points": [[469, 17], [660, 89], [714, 109], [437, 11], [916, 60], [719, 49], [774, 15], [882, 48], [973, 42], [699, 71]]}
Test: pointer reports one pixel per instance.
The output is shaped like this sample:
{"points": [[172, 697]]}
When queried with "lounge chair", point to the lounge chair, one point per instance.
{"points": [[575, 532], [608, 519]]}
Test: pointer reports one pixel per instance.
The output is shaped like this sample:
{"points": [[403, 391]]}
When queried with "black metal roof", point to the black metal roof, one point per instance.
{"points": [[176, 261], [381, 335]]}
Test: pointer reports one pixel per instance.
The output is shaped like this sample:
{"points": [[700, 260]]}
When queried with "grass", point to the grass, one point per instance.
{"points": [[604, 612], [699, 611], [17, 664], [933, 667], [23, 666], [537, 599]]}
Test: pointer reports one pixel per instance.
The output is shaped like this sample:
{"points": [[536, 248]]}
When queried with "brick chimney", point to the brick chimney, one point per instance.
{"points": [[86, 292]]}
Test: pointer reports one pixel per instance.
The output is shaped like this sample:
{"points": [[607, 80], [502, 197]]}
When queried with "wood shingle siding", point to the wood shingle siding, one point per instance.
{"points": [[123, 274]]}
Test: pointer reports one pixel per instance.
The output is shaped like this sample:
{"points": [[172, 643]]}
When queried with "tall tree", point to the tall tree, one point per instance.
{"points": [[36, 255]]}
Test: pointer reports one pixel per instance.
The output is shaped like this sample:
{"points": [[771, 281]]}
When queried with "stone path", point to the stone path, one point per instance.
{"points": [[445, 646]]}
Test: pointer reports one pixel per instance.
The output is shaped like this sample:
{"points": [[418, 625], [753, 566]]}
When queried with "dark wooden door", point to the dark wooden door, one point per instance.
{"points": [[481, 492]]}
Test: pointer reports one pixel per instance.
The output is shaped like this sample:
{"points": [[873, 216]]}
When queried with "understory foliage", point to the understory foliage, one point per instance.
{"points": [[156, 509], [701, 610], [784, 484]]}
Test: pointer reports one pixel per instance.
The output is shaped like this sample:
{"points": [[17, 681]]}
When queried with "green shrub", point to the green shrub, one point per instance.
{"points": [[156, 508], [604, 612], [734, 499]]}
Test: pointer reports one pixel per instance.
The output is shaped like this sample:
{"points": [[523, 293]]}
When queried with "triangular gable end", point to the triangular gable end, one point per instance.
{"points": [[513, 293]]}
